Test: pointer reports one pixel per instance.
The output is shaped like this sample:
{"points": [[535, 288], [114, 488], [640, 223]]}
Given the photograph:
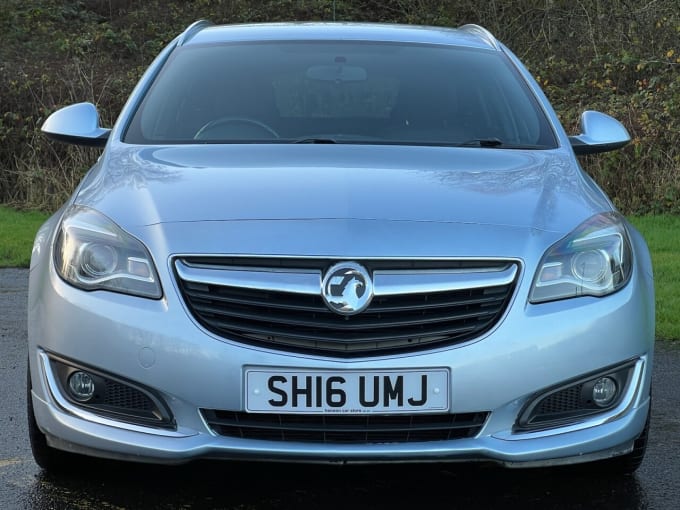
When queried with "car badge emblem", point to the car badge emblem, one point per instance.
{"points": [[347, 288]]}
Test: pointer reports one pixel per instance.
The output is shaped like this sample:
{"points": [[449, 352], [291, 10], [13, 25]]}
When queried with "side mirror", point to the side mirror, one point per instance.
{"points": [[77, 124], [599, 133]]}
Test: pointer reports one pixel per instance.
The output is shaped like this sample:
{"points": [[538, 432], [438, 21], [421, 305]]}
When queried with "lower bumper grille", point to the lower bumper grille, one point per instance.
{"points": [[359, 429]]}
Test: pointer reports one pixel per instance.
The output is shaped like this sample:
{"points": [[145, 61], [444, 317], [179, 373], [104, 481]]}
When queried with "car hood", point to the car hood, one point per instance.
{"points": [[142, 186]]}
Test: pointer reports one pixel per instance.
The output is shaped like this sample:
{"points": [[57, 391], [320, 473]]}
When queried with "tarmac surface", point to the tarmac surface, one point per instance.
{"points": [[242, 486]]}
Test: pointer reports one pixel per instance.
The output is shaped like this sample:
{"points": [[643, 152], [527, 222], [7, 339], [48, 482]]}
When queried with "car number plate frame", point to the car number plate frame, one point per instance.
{"points": [[302, 391]]}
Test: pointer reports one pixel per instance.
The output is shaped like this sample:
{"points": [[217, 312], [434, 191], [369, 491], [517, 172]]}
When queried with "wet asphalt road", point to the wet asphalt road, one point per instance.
{"points": [[213, 485]]}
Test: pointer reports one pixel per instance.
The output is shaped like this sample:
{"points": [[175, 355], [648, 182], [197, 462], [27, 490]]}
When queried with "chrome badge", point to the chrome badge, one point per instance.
{"points": [[347, 288]]}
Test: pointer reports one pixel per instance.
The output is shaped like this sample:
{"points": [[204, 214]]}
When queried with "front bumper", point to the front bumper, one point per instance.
{"points": [[600, 437], [146, 342]]}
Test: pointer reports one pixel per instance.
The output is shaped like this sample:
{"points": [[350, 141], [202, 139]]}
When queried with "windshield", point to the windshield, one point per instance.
{"points": [[340, 92]]}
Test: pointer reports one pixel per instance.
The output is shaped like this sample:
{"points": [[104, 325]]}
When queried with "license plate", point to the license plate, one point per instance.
{"points": [[346, 391]]}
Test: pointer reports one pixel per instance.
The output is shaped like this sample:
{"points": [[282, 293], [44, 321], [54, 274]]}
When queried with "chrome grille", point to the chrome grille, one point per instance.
{"points": [[416, 304], [355, 429]]}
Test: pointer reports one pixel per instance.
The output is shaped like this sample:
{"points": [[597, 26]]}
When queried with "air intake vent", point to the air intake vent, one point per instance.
{"points": [[359, 429]]}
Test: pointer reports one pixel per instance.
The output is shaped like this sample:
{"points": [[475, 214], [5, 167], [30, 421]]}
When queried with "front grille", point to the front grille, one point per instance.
{"points": [[257, 313], [356, 429]]}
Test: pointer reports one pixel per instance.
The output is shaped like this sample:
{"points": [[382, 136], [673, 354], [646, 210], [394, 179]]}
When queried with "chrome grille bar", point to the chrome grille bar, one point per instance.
{"points": [[385, 283]]}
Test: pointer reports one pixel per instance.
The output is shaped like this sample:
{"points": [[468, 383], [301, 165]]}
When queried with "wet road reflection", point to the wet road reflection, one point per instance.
{"points": [[252, 486]]}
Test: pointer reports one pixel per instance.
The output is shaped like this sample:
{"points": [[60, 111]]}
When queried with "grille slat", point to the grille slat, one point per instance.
{"points": [[371, 321], [299, 320], [340, 336], [271, 300], [345, 429], [265, 300]]}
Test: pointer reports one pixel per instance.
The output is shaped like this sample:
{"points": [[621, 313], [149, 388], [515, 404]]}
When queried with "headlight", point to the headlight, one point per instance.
{"points": [[594, 260], [93, 253]]}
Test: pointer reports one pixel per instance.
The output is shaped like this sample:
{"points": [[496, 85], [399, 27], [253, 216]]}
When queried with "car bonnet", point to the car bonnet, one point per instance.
{"points": [[537, 189]]}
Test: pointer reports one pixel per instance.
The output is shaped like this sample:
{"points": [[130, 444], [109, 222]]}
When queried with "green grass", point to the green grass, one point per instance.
{"points": [[17, 230], [663, 237]]}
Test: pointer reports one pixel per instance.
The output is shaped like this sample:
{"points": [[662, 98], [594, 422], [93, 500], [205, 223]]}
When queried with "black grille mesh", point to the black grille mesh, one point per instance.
{"points": [[125, 397], [561, 402], [345, 429]]}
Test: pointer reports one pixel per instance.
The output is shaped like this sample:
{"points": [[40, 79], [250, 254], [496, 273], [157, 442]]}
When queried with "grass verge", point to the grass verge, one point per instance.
{"points": [[661, 233], [17, 230]]}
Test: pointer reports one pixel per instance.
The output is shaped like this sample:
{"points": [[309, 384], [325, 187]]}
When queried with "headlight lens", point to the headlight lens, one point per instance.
{"points": [[93, 253], [594, 260]]}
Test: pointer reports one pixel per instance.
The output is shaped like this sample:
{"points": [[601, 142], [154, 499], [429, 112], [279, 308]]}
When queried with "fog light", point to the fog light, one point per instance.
{"points": [[81, 385], [604, 391]]}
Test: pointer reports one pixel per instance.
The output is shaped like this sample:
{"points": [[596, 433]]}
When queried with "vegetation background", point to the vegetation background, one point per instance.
{"points": [[618, 56]]}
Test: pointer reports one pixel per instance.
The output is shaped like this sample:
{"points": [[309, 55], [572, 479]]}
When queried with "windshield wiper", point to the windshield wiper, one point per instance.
{"points": [[497, 143], [314, 140], [483, 142]]}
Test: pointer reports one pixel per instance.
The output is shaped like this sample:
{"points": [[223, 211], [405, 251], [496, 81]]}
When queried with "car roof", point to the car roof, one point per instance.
{"points": [[203, 32]]}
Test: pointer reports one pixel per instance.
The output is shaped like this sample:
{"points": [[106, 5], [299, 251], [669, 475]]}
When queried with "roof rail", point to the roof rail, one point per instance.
{"points": [[482, 33], [192, 30]]}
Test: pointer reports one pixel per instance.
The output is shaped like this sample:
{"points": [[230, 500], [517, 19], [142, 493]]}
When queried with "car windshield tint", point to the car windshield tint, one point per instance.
{"points": [[340, 92]]}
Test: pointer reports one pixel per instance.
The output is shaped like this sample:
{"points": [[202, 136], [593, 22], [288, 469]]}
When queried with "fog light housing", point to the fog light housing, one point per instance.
{"points": [[574, 400], [81, 385], [109, 396], [604, 391]]}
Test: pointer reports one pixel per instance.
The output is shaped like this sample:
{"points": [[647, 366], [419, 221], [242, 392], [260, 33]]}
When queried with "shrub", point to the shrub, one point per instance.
{"points": [[618, 56]]}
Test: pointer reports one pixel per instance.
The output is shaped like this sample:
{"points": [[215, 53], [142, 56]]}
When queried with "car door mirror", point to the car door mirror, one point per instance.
{"points": [[77, 124], [599, 133]]}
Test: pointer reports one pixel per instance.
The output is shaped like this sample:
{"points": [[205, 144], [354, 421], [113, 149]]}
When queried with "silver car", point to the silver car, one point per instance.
{"points": [[338, 243]]}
